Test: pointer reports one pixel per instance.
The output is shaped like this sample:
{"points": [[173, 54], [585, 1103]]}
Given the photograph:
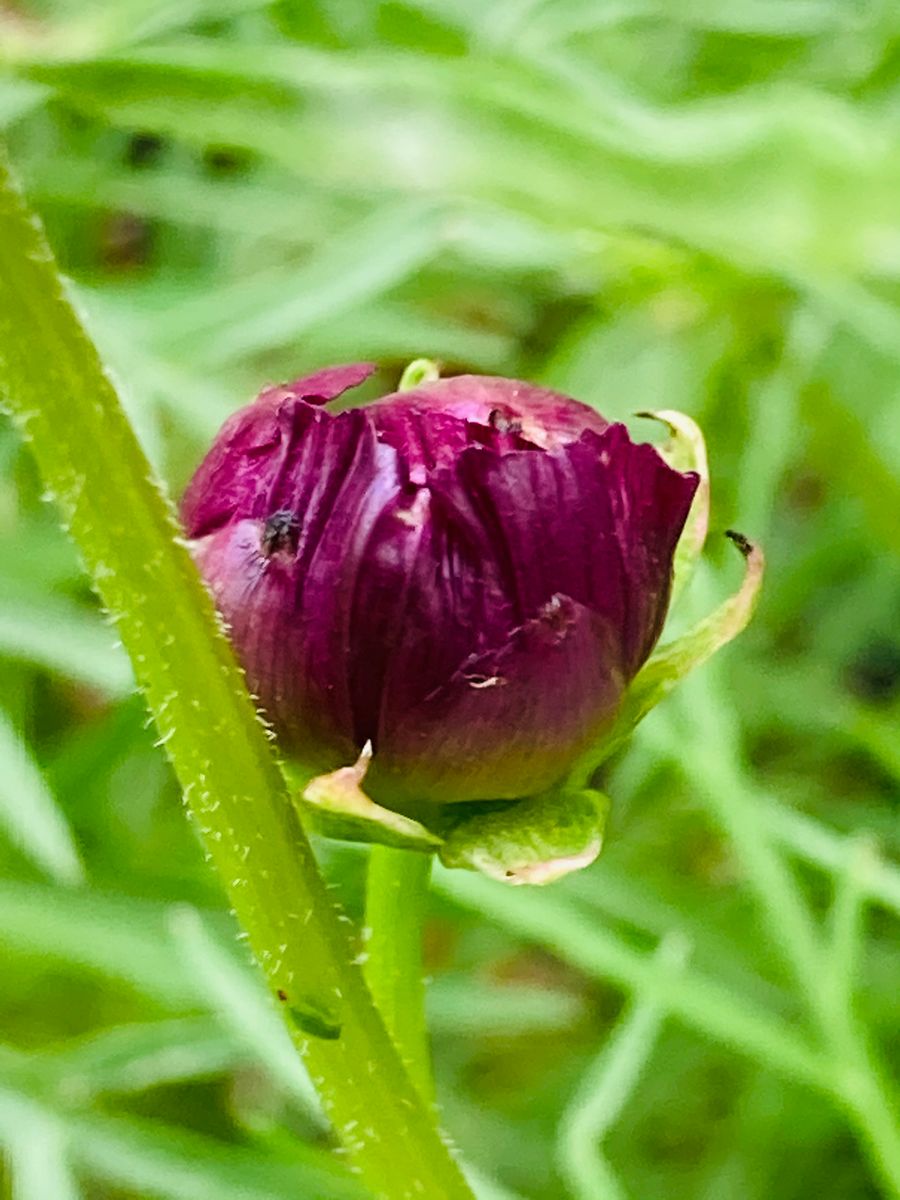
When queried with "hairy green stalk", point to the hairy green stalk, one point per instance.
{"points": [[53, 382]]}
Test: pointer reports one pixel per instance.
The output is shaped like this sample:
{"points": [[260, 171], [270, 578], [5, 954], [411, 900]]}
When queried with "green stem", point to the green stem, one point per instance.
{"points": [[396, 894], [60, 396]]}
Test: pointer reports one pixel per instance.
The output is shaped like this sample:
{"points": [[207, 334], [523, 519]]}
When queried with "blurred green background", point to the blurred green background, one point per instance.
{"points": [[688, 205]]}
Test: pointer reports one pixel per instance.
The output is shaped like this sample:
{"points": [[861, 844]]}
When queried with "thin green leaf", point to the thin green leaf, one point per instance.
{"points": [[116, 938], [129, 1059], [609, 1082], [30, 814], [459, 1006], [160, 1161], [277, 308], [171, 1164], [675, 660]]}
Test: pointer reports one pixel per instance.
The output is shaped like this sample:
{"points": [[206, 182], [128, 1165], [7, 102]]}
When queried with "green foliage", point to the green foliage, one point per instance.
{"points": [[652, 206]]}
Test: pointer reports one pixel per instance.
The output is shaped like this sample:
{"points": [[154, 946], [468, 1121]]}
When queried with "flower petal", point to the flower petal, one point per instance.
{"points": [[426, 601], [432, 424], [321, 386], [289, 601], [509, 721], [239, 465], [597, 520]]}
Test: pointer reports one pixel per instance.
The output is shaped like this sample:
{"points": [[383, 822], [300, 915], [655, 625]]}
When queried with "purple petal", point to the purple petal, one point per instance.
{"points": [[289, 601], [597, 520], [253, 593], [426, 600], [321, 386], [510, 721], [239, 466], [431, 425]]}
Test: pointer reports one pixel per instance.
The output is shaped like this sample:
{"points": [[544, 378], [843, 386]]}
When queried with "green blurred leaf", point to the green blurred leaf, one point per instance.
{"points": [[356, 266], [117, 938], [164, 1162], [463, 1007], [38, 1154], [30, 813], [65, 640], [608, 1083], [129, 1059]]}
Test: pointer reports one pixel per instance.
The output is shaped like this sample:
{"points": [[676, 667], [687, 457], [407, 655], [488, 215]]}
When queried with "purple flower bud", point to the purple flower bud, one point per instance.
{"points": [[467, 574]]}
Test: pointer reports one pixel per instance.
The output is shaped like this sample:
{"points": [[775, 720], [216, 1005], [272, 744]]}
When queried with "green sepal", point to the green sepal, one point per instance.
{"points": [[534, 841], [673, 661], [685, 450], [335, 805]]}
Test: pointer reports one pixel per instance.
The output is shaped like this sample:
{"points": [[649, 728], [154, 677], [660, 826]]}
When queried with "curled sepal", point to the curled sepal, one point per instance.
{"points": [[673, 661], [685, 450], [534, 841], [336, 806]]}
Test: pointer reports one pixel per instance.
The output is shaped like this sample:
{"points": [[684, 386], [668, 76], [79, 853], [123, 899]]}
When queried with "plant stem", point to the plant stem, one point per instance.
{"points": [[60, 396], [396, 895]]}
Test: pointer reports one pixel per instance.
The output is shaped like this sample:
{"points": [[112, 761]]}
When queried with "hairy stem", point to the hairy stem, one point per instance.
{"points": [[396, 894], [54, 384]]}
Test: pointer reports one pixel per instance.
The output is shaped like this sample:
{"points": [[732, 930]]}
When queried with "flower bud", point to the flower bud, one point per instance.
{"points": [[465, 575]]}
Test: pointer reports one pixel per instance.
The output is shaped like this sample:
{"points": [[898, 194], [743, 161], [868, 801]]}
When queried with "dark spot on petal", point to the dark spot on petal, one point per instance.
{"points": [[282, 995], [281, 532], [503, 421]]}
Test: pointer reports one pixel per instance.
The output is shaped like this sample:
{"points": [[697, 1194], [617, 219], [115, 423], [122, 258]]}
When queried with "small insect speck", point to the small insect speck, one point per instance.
{"points": [[281, 533]]}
